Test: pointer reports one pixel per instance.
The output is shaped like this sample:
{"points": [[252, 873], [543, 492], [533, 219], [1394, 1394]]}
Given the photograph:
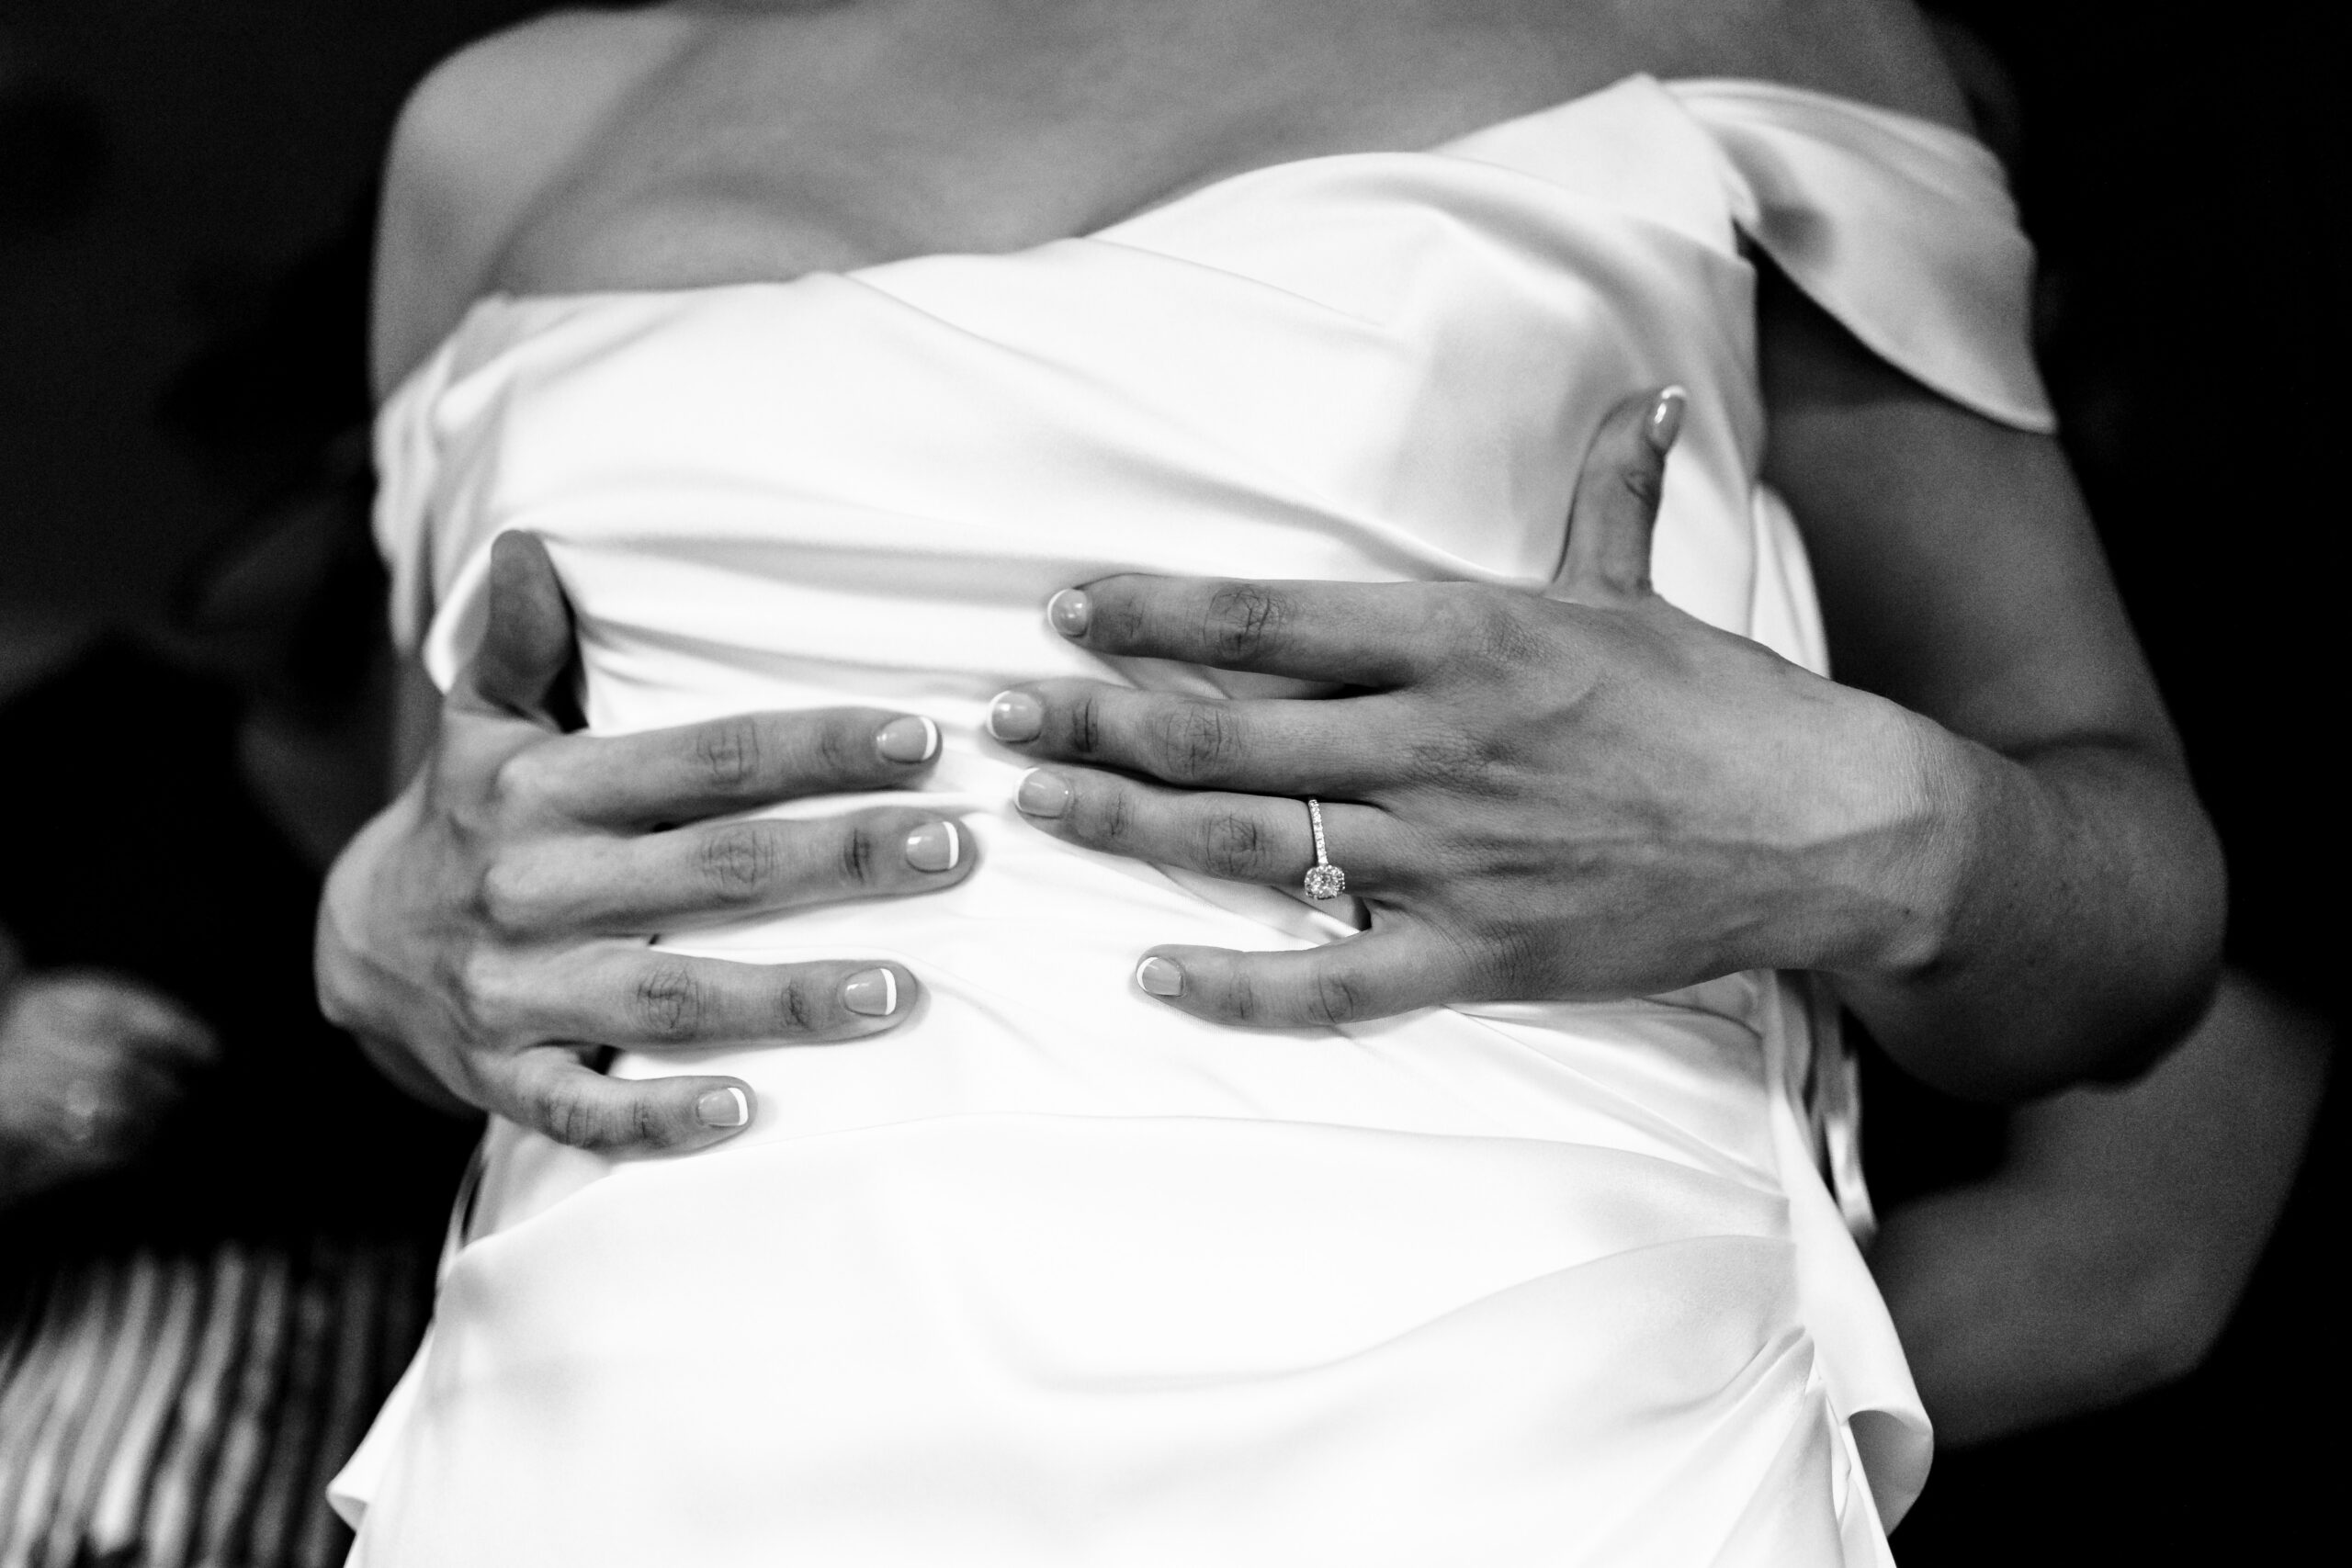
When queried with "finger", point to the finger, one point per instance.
{"points": [[646, 998], [161, 1029], [1241, 838], [726, 764], [548, 1090], [1378, 975], [1264, 746], [526, 645], [120, 1014], [688, 876], [1362, 634], [1615, 510]]}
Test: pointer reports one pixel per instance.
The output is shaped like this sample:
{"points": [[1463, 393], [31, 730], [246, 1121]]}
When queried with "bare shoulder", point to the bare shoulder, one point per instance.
{"points": [[1877, 51], [478, 141]]}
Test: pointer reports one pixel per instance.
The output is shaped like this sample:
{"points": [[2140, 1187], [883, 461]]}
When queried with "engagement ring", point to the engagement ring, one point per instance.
{"points": [[1324, 880]]}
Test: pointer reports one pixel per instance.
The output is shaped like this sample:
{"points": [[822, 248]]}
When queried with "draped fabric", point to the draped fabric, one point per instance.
{"points": [[1054, 1274]]}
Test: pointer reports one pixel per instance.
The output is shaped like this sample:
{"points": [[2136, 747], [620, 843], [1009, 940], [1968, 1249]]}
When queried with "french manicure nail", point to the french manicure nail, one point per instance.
{"points": [[872, 993], [1016, 716], [1042, 794], [725, 1107], [1161, 977], [934, 846], [1664, 421], [909, 740], [1070, 611]]}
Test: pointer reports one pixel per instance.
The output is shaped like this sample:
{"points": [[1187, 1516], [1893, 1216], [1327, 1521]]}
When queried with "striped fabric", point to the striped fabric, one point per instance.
{"points": [[187, 1411]]}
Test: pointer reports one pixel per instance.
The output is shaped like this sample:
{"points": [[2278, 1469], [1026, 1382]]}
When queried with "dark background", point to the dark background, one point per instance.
{"points": [[183, 190]]}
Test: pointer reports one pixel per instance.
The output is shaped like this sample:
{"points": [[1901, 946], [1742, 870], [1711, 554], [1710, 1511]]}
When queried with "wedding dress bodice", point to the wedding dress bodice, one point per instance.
{"points": [[1053, 1273]]}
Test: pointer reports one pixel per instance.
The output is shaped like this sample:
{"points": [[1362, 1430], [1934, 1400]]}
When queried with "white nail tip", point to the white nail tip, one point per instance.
{"points": [[743, 1105], [954, 859], [930, 740], [889, 992]]}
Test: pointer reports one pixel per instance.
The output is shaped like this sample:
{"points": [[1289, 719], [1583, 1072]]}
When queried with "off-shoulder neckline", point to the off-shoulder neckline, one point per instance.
{"points": [[1945, 139]]}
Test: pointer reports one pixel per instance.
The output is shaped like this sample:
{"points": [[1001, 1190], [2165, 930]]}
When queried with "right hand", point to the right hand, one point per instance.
{"points": [[486, 934]]}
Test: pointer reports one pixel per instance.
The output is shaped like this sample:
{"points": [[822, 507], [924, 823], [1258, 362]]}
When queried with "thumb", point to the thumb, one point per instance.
{"points": [[1615, 510], [526, 642]]}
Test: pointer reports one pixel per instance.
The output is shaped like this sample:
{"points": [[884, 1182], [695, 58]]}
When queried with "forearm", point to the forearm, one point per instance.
{"points": [[2106, 1256], [2063, 918]]}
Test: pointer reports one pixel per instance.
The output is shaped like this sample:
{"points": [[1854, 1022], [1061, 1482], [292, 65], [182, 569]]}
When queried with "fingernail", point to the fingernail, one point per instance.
{"points": [[1664, 421], [934, 846], [1161, 977], [907, 740], [1042, 794], [874, 993], [725, 1107], [1070, 611], [1016, 716]]}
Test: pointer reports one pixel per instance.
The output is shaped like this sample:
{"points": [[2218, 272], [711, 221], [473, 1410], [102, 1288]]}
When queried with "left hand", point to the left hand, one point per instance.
{"points": [[90, 1064], [1583, 797]]}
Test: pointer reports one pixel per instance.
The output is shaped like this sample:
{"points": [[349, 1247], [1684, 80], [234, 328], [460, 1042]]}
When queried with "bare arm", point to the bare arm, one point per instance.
{"points": [[2106, 1254], [1995, 851], [2065, 895]]}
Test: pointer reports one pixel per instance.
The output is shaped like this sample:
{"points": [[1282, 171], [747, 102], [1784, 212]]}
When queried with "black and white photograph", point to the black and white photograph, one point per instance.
{"points": [[1168, 784]]}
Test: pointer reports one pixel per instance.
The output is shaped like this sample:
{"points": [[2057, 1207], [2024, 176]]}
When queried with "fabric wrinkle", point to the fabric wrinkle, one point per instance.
{"points": [[1053, 1273]]}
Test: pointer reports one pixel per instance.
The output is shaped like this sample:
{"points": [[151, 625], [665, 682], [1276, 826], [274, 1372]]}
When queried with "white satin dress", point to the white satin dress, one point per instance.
{"points": [[1053, 1275]]}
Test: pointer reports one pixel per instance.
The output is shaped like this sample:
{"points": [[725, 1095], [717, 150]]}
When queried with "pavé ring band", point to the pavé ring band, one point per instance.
{"points": [[1324, 880]]}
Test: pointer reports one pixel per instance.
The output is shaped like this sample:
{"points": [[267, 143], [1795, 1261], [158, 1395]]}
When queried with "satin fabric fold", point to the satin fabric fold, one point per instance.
{"points": [[1052, 1274]]}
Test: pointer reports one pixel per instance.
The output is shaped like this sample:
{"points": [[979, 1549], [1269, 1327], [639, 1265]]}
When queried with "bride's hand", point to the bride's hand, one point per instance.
{"points": [[485, 936], [1593, 795]]}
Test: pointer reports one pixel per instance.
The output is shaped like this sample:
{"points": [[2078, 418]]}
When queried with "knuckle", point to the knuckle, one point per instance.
{"points": [[509, 896], [1642, 483], [1242, 1001], [1496, 633], [799, 1007], [1232, 844], [1245, 618], [727, 753], [1086, 724], [1112, 818], [568, 1113], [520, 780], [648, 1127], [1196, 741], [1336, 998], [668, 1003], [486, 990], [858, 856], [737, 862]]}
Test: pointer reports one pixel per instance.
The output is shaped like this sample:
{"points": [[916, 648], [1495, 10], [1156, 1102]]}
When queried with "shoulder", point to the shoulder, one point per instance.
{"points": [[1875, 51], [478, 140]]}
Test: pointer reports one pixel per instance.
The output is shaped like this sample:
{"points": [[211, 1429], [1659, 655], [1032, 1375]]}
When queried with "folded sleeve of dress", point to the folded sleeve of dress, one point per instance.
{"points": [[1902, 229]]}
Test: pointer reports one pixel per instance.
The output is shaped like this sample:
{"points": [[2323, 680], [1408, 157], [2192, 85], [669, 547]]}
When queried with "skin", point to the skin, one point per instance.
{"points": [[485, 935], [2105, 1255], [1984, 834], [90, 1064]]}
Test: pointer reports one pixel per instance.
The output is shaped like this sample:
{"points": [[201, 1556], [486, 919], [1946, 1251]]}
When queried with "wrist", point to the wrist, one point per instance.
{"points": [[1915, 839]]}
